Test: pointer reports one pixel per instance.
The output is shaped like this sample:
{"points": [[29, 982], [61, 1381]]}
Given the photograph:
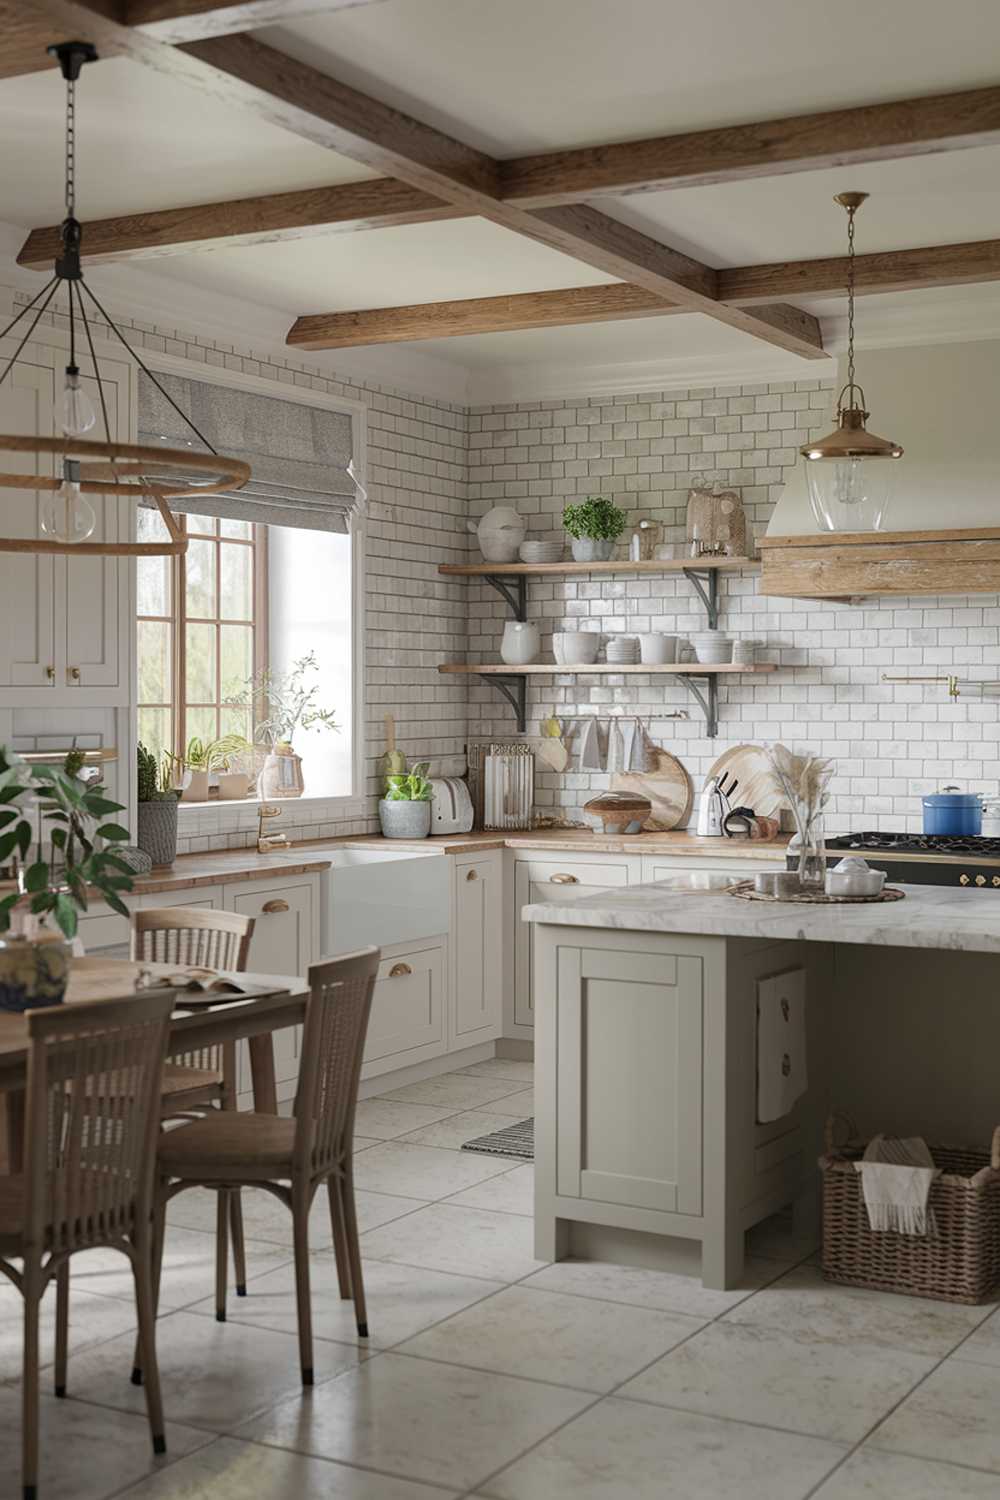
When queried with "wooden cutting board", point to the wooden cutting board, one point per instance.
{"points": [[756, 788], [669, 789]]}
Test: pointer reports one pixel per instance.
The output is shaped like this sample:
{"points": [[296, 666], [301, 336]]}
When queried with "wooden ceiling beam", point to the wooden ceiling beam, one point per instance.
{"points": [[189, 20], [380, 203], [888, 271], [733, 153]]}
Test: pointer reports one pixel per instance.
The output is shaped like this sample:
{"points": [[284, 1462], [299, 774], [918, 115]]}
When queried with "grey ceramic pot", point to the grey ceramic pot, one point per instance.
{"points": [[405, 820], [591, 549], [157, 833]]}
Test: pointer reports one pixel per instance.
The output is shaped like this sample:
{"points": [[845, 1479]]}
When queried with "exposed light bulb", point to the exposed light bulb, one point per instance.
{"points": [[66, 515], [78, 415]]}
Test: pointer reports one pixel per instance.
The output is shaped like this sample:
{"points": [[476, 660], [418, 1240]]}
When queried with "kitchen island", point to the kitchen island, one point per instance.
{"points": [[650, 1003]]}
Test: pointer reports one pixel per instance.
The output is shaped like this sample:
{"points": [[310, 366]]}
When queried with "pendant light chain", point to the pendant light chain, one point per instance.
{"points": [[71, 148], [852, 210]]}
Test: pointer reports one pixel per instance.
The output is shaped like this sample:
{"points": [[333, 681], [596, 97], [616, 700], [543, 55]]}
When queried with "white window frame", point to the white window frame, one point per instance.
{"points": [[197, 819]]}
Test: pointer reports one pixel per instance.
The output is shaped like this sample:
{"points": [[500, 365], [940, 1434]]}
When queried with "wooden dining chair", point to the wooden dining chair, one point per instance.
{"points": [[194, 937], [92, 1123], [315, 1146]]}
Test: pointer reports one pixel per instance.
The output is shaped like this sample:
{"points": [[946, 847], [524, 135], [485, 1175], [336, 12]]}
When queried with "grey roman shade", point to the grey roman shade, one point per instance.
{"points": [[298, 455]]}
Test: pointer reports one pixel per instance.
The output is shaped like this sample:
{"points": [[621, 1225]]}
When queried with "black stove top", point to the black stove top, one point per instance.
{"points": [[919, 844]]}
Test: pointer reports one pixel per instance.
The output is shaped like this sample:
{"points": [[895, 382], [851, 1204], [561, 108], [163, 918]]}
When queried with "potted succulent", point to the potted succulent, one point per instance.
{"points": [[282, 703], [594, 525], [74, 855], [202, 760], [157, 798], [405, 810]]}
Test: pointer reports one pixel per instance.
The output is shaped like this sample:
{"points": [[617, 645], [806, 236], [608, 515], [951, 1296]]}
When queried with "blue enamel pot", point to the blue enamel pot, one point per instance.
{"points": [[959, 814]]}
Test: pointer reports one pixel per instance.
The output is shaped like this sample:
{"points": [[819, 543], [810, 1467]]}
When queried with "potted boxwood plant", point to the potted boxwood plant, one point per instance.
{"points": [[157, 798], [405, 810], [594, 525], [74, 855]]}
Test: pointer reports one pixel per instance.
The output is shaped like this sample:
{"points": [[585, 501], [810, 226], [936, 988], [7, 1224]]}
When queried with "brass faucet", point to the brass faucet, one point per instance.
{"points": [[268, 841]]}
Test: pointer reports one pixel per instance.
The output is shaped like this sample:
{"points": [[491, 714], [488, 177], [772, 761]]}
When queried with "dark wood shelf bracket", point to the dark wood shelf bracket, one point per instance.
{"points": [[514, 686]]}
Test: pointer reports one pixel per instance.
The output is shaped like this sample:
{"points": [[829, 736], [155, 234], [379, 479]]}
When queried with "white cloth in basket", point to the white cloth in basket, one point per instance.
{"points": [[896, 1178]]}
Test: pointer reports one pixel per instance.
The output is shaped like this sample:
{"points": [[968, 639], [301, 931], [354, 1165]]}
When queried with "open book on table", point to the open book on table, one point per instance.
{"points": [[202, 982]]}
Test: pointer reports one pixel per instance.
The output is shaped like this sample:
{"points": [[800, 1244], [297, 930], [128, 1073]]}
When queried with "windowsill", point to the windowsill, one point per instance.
{"points": [[243, 812]]}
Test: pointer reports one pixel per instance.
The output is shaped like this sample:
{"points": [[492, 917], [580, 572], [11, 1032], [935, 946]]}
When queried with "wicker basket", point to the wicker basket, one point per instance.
{"points": [[961, 1263]]}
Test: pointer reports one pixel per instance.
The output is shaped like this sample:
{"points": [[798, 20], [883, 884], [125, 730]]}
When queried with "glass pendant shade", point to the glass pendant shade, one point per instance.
{"points": [[66, 515], [77, 415], [849, 475]]}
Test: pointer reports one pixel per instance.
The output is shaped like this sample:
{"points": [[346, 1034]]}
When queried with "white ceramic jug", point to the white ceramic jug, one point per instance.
{"points": [[500, 533], [521, 643]]}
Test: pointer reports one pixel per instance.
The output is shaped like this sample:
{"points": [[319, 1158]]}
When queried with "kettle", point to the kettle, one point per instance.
{"points": [[713, 808]]}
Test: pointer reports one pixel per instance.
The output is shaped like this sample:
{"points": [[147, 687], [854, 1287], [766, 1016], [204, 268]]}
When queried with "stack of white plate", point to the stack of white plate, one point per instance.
{"points": [[541, 552], [622, 650], [711, 647]]}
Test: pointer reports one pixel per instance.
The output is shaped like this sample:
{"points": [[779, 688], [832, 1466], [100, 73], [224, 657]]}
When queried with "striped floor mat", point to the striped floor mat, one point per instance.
{"points": [[516, 1140]]}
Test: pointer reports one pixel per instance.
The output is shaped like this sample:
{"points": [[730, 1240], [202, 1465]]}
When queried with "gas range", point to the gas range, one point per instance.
{"points": [[925, 859]]}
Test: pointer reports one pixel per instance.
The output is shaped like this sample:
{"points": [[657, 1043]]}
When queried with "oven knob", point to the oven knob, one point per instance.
{"points": [[980, 879], [996, 880], [963, 880]]}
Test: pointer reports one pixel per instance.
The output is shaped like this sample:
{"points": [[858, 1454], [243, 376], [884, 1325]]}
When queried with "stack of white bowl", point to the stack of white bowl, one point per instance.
{"points": [[711, 646], [622, 650], [534, 551]]}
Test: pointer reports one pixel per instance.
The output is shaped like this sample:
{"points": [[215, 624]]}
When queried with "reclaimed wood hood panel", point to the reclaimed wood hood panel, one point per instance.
{"points": [[839, 565]]}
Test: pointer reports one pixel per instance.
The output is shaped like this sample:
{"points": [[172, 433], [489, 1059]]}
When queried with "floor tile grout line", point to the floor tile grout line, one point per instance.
{"points": [[445, 1489]]}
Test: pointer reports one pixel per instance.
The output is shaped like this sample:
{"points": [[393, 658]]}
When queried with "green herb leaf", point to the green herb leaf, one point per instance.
{"points": [[98, 806], [37, 876], [112, 831], [117, 904], [65, 913]]}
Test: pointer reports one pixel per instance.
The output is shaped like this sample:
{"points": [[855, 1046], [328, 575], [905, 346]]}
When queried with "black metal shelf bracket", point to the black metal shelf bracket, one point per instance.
{"points": [[514, 686], [708, 700], [513, 590], [706, 581]]}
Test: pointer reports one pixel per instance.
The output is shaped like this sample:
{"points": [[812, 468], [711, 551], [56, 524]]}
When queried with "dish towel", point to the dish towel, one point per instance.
{"points": [[588, 755], [896, 1177]]}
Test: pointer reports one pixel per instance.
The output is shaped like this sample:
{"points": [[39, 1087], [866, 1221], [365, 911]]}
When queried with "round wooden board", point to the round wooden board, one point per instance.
{"points": [[756, 788], [669, 789]]}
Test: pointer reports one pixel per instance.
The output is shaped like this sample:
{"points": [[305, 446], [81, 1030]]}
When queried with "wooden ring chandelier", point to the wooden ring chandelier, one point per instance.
{"points": [[94, 466]]}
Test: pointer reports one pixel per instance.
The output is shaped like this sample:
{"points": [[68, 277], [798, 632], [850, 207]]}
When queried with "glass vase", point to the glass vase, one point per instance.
{"points": [[812, 853]]}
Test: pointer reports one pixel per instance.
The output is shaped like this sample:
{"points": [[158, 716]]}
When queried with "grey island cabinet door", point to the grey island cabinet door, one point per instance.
{"points": [[629, 1078]]}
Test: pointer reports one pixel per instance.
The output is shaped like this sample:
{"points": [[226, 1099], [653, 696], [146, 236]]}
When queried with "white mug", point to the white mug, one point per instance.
{"points": [[658, 649]]}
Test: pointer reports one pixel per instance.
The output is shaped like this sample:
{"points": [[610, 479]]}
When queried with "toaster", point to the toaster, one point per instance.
{"points": [[451, 805]]}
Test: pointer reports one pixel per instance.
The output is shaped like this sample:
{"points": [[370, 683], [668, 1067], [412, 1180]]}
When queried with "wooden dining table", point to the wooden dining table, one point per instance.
{"points": [[199, 1020]]}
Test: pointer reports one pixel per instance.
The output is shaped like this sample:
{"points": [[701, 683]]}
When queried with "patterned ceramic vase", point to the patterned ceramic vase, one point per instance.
{"points": [[33, 972]]}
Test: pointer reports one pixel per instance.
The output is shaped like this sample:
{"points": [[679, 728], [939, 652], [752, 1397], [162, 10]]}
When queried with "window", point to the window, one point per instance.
{"points": [[245, 597], [201, 631]]}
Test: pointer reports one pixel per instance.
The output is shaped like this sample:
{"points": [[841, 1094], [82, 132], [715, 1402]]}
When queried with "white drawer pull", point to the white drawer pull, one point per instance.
{"points": [[564, 879], [472, 875], [273, 906], [398, 970]]}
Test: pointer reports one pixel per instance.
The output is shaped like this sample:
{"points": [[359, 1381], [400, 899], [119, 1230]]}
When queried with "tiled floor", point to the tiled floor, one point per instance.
{"points": [[490, 1375]]}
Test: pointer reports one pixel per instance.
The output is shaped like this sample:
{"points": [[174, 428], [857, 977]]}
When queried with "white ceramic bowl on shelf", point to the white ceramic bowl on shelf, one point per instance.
{"points": [[534, 551], [710, 647], [575, 648]]}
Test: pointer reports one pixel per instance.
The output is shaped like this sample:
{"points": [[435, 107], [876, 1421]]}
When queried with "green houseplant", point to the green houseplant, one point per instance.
{"points": [[405, 810], [157, 798], [66, 820], [594, 525], [202, 759], [282, 703]]}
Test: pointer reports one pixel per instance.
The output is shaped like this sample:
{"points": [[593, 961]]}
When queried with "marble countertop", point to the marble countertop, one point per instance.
{"points": [[930, 917]]}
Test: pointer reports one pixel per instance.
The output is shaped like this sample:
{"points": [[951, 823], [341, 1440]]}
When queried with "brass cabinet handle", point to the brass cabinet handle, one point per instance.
{"points": [[472, 874], [398, 970], [963, 880], [563, 879], [50, 673], [74, 672], [273, 906]]}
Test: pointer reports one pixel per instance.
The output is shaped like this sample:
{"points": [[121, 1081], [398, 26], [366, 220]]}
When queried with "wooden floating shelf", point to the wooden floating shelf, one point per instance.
{"points": [[832, 565], [685, 668], [542, 570]]}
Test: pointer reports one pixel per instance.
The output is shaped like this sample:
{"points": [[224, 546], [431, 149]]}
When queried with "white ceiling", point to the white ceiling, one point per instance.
{"points": [[529, 75]]}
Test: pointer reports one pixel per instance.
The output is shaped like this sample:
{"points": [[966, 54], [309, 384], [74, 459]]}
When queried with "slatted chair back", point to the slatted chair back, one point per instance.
{"points": [[92, 1118], [192, 938], [333, 1044]]}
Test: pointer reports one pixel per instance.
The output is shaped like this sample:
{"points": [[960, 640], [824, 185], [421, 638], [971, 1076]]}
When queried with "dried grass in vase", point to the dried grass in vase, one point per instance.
{"points": [[804, 780]]}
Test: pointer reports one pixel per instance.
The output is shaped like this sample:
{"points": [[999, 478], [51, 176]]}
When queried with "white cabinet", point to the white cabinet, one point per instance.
{"points": [[407, 1023], [286, 927], [548, 880], [476, 951], [65, 620], [659, 866]]}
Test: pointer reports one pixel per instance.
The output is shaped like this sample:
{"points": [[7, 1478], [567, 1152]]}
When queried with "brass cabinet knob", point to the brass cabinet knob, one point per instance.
{"points": [[50, 673], [398, 970], [472, 874], [963, 880], [273, 906], [74, 672], [563, 879], [996, 880], [980, 879]]}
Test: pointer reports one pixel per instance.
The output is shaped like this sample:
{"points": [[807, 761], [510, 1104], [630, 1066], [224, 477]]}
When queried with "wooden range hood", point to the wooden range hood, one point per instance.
{"points": [[841, 565]]}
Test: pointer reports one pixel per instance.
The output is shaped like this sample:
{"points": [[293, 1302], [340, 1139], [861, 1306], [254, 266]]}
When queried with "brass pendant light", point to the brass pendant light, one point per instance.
{"points": [[846, 471], [93, 465]]}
